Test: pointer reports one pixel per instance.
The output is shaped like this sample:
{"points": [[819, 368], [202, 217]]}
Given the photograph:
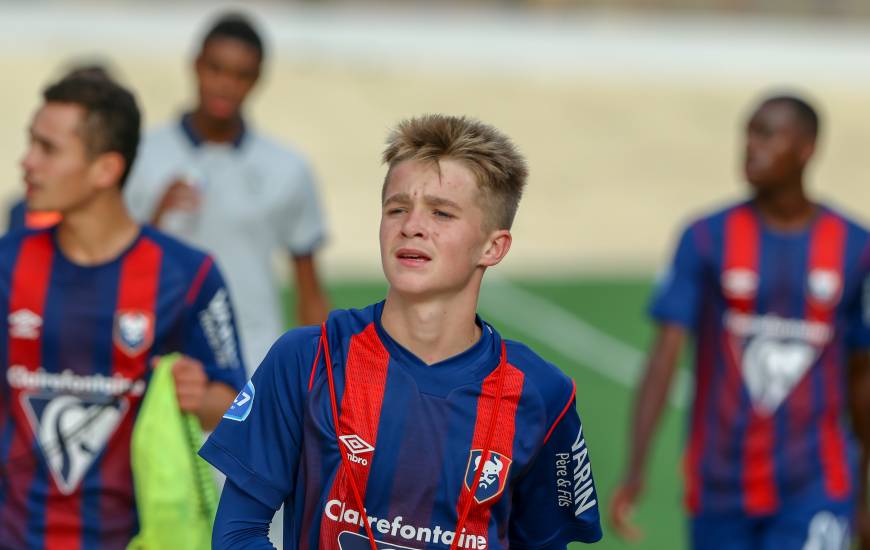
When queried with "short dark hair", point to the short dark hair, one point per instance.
{"points": [[112, 119], [238, 27], [804, 112]]}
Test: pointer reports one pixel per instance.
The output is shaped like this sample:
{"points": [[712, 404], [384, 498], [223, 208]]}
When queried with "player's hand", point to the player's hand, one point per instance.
{"points": [[180, 195], [621, 508], [190, 383]]}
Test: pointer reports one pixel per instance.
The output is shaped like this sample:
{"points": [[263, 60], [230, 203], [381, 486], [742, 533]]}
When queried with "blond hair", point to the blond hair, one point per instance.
{"points": [[490, 155]]}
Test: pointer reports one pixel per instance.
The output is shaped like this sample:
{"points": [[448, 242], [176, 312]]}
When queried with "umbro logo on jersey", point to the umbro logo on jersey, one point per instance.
{"points": [[739, 283], [133, 331], [357, 446], [72, 432], [24, 324]]}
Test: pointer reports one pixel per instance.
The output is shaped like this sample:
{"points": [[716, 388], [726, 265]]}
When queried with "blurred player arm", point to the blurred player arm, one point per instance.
{"points": [[178, 195], [674, 306], [650, 400], [242, 521], [312, 306], [208, 400], [859, 409], [304, 234]]}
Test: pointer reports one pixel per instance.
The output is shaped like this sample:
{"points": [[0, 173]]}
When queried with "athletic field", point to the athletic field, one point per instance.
{"points": [[596, 330]]}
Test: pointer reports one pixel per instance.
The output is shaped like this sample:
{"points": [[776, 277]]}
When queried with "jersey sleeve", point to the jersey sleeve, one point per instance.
{"points": [[257, 445], [858, 314], [212, 337], [241, 521], [678, 293], [555, 502], [305, 227]]}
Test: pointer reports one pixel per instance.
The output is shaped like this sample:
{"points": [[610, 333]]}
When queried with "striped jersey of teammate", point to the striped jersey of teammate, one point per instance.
{"points": [[774, 316], [77, 343]]}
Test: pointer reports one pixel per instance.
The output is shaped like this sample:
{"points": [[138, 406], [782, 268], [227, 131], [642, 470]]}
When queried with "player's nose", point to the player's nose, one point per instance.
{"points": [[413, 224]]}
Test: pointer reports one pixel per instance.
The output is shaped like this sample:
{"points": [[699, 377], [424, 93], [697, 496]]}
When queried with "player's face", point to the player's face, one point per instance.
{"points": [[777, 147], [226, 71], [432, 229], [58, 172]]}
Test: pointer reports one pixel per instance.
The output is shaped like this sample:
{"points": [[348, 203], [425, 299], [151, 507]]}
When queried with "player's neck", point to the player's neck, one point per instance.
{"points": [[215, 130], [97, 232], [785, 209], [433, 330]]}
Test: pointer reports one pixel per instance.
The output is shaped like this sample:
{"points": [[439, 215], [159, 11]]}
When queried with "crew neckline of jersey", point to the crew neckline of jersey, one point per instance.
{"points": [[197, 140], [821, 210], [63, 258], [470, 365]]}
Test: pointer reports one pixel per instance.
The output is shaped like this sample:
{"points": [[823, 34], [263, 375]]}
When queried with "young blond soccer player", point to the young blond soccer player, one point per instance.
{"points": [[412, 423]]}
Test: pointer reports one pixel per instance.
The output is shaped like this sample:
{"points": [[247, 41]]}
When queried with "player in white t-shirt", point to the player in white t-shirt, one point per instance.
{"points": [[212, 180]]}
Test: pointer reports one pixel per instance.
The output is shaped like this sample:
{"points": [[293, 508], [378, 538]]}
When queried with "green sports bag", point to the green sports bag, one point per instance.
{"points": [[176, 494]]}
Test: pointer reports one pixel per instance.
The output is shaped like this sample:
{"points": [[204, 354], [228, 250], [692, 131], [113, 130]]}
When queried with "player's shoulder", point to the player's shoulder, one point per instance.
{"points": [[175, 254], [714, 219], [540, 376], [165, 137], [11, 242], [296, 343], [852, 224], [277, 157]]}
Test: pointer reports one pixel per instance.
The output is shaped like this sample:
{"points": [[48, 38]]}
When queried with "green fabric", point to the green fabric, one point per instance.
{"points": [[176, 494]]}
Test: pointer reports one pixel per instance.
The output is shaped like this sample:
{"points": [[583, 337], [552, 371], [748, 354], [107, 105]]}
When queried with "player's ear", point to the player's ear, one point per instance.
{"points": [[199, 63], [496, 247], [807, 151], [107, 168]]}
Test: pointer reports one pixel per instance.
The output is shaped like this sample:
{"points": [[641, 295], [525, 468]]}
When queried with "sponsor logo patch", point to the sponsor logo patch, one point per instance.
{"points": [[217, 324], [72, 431], [242, 404], [494, 477], [133, 331]]}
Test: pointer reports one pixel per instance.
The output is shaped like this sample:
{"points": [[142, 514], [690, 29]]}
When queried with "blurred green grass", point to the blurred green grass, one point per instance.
{"points": [[615, 306]]}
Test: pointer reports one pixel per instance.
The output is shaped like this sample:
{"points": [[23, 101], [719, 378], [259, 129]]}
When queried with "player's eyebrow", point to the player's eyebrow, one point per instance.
{"points": [[41, 139], [430, 200], [401, 198]]}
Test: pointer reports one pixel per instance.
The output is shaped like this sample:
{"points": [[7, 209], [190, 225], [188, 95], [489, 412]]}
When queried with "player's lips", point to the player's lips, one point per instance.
{"points": [[220, 106], [412, 257], [30, 187]]}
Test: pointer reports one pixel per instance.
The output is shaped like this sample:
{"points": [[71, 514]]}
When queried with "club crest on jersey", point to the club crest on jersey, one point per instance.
{"points": [[72, 431], [493, 478], [824, 285], [133, 331], [739, 283]]}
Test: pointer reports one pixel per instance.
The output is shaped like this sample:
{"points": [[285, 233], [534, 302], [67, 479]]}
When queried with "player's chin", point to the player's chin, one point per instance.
{"points": [[413, 283]]}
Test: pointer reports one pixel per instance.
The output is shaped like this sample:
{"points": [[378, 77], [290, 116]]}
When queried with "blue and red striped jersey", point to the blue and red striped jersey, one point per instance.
{"points": [[488, 439], [76, 349], [774, 315]]}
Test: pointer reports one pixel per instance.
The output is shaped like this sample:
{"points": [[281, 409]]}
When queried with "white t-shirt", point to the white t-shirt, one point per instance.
{"points": [[258, 199]]}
